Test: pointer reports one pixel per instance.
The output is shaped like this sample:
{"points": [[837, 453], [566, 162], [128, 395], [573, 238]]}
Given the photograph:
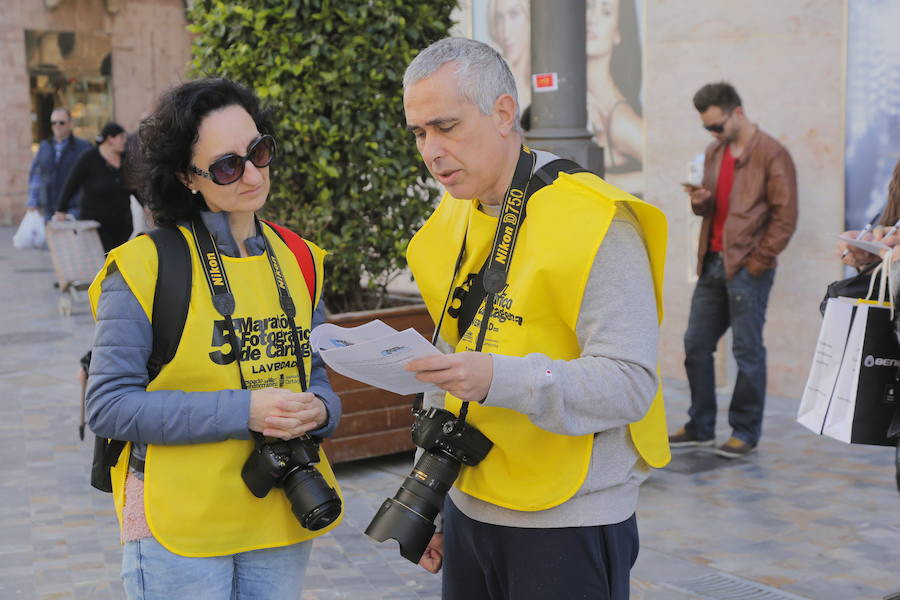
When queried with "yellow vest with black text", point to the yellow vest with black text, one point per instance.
{"points": [[194, 497], [530, 468]]}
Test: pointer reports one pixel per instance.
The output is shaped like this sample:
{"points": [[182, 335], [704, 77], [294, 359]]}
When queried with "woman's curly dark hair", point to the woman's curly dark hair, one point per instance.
{"points": [[167, 138]]}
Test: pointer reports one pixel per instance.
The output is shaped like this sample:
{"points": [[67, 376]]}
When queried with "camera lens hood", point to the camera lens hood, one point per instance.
{"points": [[394, 520]]}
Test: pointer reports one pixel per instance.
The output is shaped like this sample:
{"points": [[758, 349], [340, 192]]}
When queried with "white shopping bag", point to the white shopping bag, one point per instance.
{"points": [[30, 233], [826, 363]]}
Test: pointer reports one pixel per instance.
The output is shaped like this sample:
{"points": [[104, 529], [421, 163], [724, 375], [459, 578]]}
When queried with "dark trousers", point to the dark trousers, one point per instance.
{"points": [[718, 304], [491, 562]]}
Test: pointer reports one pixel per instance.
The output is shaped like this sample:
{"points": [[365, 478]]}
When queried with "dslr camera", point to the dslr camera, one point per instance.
{"points": [[290, 465], [409, 516]]}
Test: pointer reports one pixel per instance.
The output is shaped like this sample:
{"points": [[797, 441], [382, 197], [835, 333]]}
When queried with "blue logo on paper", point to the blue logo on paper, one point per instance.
{"points": [[393, 350]]}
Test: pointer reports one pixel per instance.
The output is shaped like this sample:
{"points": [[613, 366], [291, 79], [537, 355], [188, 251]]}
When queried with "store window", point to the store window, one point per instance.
{"points": [[73, 70]]}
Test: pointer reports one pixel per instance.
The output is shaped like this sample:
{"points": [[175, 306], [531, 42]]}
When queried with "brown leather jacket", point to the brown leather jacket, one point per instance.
{"points": [[762, 207]]}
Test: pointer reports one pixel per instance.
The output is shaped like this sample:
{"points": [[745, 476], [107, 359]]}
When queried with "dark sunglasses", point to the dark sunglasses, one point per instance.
{"points": [[230, 167], [57, 122], [718, 127]]}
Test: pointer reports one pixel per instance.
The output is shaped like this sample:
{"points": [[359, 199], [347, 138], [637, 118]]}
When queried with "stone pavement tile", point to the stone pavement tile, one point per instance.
{"points": [[96, 591], [55, 591], [841, 586], [16, 572], [12, 561], [17, 587], [656, 592]]}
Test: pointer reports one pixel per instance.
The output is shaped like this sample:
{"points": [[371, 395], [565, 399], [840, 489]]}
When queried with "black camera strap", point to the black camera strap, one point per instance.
{"points": [[509, 224], [223, 299], [544, 176], [496, 268], [287, 305], [420, 397], [217, 280], [500, 258]]}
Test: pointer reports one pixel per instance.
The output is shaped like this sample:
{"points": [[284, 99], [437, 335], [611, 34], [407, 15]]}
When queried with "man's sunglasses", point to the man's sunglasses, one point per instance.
{"points": [[230, 167], [718, 127], [57, 122]]}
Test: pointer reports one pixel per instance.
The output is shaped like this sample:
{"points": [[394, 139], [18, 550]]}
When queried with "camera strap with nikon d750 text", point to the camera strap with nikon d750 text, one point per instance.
{"points": [[491, 278]]}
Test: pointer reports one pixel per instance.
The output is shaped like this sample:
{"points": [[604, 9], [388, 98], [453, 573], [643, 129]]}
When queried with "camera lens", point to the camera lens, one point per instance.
{"points": [[409, 516], [313, 501], [424, 488]]}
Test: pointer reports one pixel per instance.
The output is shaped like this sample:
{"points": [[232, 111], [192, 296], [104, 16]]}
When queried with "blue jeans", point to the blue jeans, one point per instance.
{"points": [[717, 305], [150, 572]]}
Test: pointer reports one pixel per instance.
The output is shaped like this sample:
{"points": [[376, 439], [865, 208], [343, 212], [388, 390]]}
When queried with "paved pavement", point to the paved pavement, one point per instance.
{"points": [[804, 517]]}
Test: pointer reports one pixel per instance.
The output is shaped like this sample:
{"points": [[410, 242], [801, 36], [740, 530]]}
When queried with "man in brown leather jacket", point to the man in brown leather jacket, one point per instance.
{"points": [[748, 201]]}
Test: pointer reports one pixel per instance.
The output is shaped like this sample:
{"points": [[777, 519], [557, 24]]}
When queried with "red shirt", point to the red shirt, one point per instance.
{"points": [[723, 191]]}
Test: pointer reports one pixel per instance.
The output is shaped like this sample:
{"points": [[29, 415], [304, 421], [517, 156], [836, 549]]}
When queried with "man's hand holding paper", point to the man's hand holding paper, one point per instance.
{"points": [[466, 375], [374, 353]]}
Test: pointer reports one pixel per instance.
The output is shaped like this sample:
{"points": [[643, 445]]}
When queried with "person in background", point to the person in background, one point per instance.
{"points": [[748, 202], [52, 163], [190, 525], [104, 197], [856, 257]]}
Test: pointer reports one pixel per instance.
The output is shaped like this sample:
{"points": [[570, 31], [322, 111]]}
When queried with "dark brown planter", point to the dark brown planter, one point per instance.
{"points": [[374, 422]]}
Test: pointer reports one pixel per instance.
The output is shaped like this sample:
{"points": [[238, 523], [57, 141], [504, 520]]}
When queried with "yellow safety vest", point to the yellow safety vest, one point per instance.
{"points": [[194, 497], [530, 468]]}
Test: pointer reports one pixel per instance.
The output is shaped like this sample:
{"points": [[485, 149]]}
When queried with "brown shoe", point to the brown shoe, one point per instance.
{"points": [[683, 439], [734, 448]]}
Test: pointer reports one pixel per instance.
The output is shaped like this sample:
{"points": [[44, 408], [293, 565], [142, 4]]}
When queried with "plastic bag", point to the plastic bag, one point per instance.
{"points": [[31, 232]]}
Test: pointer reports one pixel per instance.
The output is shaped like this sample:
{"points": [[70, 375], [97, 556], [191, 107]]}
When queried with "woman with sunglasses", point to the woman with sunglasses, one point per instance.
{"points": [[104, 197], [238, 380]]}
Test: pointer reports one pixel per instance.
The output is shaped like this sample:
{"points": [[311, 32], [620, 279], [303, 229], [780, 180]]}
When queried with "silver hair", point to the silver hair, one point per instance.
{"points": [[482, 73]]}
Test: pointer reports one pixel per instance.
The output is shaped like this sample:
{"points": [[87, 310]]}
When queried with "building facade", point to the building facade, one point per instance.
{"points": [[102, 59]]}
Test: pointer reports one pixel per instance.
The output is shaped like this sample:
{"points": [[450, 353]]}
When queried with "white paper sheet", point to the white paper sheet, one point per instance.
{"points": [[374, 353], [869, 246]]}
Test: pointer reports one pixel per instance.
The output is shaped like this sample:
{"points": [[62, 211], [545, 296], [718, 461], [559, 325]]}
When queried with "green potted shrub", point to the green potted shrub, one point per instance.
{"points": [[348, 176]]}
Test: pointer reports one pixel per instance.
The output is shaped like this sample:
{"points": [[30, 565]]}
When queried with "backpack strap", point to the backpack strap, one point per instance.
{"points": [[171, 298], [302, 253], [549, 172], [170, 307]]}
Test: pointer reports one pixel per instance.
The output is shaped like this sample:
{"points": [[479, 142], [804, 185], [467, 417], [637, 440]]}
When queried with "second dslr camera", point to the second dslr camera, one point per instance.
{"points": [[291, 464], [409, 516]]}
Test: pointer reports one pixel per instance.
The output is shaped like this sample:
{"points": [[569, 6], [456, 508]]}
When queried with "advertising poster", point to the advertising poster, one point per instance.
{"points": [[873, 107], [614, 74]]}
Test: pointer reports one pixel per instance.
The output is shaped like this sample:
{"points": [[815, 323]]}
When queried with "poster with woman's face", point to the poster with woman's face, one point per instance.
{"points": [[614, 74]]}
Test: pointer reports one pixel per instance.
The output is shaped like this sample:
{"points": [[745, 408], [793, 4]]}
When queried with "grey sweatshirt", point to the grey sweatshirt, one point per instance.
{"points": [[609, 386], [118, 403]]}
